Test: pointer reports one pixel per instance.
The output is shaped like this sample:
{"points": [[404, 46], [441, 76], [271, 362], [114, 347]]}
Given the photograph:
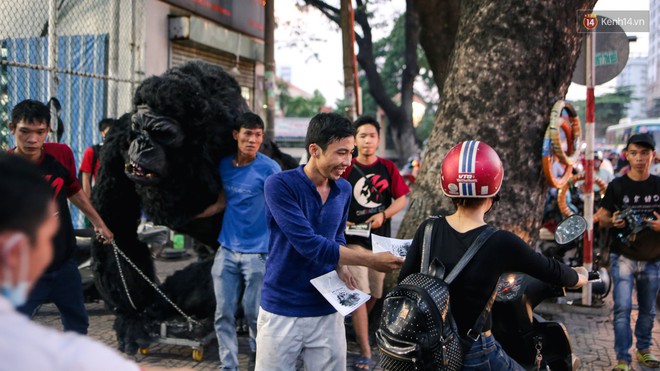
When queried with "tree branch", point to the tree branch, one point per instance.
{"points": [[367, 61], [411, 69], [329, 11]]}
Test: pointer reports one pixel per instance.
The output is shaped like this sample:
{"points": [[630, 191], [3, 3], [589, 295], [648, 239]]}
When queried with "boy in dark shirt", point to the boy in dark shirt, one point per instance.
{"points": [[379, 192], [61, 284], [634, 263]]}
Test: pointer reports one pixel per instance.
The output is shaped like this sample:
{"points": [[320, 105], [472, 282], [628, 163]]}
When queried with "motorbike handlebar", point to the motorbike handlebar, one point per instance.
{"points": [[594, 276]]}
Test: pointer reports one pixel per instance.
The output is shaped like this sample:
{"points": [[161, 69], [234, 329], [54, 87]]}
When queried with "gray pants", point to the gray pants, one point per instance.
{"points": [[281, 339]]}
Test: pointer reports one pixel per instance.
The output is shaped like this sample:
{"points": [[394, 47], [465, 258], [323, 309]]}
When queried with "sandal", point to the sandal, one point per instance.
{"points": [[647, 360], [362, 363], [622, 367]]}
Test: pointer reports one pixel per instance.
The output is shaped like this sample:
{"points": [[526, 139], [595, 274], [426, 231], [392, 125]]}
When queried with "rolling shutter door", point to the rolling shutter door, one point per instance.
{"points": [[183, 52]]}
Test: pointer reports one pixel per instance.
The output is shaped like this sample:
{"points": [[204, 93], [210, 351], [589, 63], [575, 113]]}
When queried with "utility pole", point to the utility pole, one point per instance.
{"points": [[587, 257], [269, 75], [350, 65]]}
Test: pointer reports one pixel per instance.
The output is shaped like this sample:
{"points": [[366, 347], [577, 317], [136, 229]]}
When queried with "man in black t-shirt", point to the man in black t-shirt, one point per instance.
{"points": [[634, 258], [61, 284]]}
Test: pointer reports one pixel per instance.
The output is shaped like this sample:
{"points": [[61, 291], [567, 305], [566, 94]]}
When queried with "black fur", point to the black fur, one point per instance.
{"points": [[272, 150], [205, 101]]}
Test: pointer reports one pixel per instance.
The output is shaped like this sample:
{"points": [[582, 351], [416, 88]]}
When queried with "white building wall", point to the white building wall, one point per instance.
{"points": [[635, 76], [653, 62], [157, 43]]}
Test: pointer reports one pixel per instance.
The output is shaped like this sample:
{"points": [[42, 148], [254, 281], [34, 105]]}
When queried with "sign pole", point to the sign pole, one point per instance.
{"points": [[587, 259]]}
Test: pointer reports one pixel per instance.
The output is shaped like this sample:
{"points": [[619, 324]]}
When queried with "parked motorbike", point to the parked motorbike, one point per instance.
{"points": [[528, 338], [571, 254]]}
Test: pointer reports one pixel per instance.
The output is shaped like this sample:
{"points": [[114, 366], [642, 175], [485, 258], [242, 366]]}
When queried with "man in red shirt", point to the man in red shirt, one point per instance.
{"points": [[379, 192], [89, 166], [61, 284]]}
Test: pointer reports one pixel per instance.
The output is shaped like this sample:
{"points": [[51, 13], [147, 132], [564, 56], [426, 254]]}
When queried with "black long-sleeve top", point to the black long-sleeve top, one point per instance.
{"points": [[503, 252]]}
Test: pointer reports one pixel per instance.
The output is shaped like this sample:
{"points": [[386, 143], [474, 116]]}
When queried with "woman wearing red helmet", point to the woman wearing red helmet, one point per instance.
{"points": [[472, 176]]}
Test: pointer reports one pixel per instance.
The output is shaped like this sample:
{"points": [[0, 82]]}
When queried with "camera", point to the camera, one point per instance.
{"points": [[634, 223]]}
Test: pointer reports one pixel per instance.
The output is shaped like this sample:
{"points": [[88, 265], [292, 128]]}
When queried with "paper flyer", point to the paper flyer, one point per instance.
{"points": [[394, 246], [362, 230], [334, 290]]}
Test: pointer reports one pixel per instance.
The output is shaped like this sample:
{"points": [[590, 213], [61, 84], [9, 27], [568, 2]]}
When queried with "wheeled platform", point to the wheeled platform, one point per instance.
{"points": [[182, 333]]}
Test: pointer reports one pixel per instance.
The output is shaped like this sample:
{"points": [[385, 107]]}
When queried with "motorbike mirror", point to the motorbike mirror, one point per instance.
{"points": [[570, 229]]}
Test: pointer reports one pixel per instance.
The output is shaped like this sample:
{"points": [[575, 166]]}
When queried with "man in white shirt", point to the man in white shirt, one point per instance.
{"points": [[28, 221]]}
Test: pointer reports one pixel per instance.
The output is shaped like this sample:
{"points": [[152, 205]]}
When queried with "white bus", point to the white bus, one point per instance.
{"points": [[616, 136]]}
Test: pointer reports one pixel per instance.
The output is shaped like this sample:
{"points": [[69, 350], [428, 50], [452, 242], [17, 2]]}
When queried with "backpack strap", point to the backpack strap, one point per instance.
{"points": [[475, 332], [476, 245], [426, 244]]}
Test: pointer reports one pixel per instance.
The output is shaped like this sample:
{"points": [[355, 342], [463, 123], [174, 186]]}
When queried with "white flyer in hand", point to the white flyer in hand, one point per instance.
{"points": [[394, 246], [334, 290]]}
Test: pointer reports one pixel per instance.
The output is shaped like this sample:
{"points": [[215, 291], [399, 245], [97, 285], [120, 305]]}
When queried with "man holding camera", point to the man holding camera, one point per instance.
{"points": [[631, 207]]}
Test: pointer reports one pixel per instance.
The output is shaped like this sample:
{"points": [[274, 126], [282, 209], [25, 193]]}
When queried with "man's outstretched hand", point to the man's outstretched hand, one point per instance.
{"points": [[385, 262]]}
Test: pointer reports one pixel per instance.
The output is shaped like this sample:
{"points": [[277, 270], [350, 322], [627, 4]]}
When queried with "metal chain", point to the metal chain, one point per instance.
{"points": [[121, 274], [117, 250]]}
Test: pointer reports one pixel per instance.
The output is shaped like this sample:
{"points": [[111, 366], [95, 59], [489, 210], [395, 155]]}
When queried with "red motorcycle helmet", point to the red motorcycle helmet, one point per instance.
{"points": [[471, 169]]}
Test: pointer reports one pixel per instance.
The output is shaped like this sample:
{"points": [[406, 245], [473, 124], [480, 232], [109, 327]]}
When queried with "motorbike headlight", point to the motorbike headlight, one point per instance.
{"points": [[509, 286]]}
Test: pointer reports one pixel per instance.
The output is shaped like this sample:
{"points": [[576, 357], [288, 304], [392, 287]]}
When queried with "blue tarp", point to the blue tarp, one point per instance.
{"points": [[83, 99]]}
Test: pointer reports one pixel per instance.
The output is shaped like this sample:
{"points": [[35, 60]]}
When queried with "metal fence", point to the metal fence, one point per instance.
{"points": [[86, 53]]}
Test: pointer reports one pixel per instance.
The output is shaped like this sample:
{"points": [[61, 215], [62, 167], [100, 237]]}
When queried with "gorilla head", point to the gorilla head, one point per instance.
{"points": [[180, 129], [152, 136]]}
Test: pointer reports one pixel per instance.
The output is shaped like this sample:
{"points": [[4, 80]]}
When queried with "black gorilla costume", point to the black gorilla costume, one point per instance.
{"points": [[163, 158]]}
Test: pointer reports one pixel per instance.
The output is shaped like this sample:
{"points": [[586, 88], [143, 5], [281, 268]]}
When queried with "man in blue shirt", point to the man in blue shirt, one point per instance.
{"points": [[240, 260], [306, 211]]}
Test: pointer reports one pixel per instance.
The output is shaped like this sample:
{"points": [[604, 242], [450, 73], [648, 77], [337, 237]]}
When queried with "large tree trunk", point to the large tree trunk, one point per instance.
{"points": [[512, 60]]}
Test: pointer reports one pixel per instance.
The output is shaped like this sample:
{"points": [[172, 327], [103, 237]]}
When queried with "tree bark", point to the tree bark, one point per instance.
{"points": [[439, 21], [512, 60]]}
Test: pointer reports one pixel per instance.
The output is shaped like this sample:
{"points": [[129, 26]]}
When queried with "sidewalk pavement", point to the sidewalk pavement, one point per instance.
{"points": [[590, 329]]}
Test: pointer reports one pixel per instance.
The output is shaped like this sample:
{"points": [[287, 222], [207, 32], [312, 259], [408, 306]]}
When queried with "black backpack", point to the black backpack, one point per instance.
{"points": [[417, 330]]}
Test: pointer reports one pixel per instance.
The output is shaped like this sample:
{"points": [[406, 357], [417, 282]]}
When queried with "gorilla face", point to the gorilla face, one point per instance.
{"points": [[152, 137]]}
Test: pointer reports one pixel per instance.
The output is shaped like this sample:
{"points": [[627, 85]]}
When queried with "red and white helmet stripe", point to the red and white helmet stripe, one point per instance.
{"points": [[471, 169]]}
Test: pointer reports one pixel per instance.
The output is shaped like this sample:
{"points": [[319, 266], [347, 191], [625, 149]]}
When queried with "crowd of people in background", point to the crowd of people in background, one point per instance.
{"points": [[634, 263], [282, 229], [632, 182]]}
